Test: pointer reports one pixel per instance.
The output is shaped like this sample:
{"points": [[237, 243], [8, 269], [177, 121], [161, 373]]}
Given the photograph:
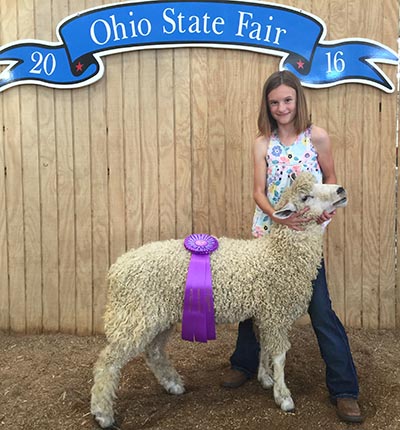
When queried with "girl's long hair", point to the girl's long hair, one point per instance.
{"points": [[266, 123]]}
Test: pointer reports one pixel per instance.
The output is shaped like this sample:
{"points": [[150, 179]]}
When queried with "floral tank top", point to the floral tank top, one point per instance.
{"points": [[282, 162]]}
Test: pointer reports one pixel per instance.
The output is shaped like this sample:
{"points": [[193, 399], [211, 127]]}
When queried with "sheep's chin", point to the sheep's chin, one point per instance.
{"points": [[340, 203]]}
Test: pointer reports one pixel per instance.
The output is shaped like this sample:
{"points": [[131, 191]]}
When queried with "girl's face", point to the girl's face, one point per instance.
{"points": [[282, 104]]}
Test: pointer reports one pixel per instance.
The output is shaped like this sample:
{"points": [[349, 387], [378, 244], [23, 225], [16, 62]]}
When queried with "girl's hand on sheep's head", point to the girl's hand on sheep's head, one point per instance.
{"points": [[296, 221], [326, 216]]}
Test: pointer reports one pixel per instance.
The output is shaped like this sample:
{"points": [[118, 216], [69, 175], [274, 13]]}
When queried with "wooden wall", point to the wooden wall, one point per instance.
{"points": [[161, 147]]}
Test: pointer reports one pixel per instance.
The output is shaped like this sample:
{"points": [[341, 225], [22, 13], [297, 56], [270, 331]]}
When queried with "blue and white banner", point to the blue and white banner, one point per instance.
{"points": [[296, 36]]}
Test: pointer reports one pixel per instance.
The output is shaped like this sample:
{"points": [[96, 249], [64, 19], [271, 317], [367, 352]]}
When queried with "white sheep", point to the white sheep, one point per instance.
{"points": [[268, 279]]}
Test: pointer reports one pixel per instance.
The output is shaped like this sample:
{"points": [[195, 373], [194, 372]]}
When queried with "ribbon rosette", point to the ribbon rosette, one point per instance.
{"points": [[198, 323]]}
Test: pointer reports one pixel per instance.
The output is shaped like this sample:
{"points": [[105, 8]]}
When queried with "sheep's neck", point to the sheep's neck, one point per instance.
{"points": [[306, 244]]}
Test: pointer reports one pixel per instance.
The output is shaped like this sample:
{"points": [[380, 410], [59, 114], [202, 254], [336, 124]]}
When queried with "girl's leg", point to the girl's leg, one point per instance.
{"points": [[341, 376], [246, 355]]}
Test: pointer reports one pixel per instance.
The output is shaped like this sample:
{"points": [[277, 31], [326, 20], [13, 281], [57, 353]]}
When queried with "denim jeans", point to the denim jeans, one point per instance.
{"points": [[341, 375]]}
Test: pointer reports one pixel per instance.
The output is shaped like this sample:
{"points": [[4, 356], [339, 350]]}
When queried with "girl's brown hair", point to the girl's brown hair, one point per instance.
{"points": [[267, 124]]}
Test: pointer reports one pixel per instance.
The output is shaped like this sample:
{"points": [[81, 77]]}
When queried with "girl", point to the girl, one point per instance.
{"points": [[287, 143]]}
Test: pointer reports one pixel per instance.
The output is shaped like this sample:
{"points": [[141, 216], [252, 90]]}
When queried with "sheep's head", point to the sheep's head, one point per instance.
{"points": [[305, 192]]}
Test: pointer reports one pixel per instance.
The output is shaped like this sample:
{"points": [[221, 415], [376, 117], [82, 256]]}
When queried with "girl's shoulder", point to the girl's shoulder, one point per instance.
{"points": [[318, 134], [262, 140], [261, 144], [320, 140]]}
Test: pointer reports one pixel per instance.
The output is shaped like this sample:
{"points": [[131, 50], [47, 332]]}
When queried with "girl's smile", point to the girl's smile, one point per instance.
{"points": [[282, 104]]}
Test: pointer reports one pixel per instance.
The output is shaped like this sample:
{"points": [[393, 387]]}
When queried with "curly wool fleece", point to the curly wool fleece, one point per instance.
{"points": [[268, 279]]}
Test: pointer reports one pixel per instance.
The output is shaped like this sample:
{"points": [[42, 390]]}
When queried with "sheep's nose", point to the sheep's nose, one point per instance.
{"points": [[340, 190]]}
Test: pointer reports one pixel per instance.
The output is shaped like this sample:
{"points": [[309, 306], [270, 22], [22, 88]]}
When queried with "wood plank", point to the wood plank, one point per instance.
{"points": [[66, 197], [183, 144], [217, 70], [14, 182], [370, 26], [304, 5], [133, 173], [31, 184], [397, 298], [233, 136], [149, 146], [83, 208], [4, 286], [200, 155], [166, 144], [99, 182], [4, 276], [66, 209], [100, 215], [336, 129], [387, 291], [252, 83], [116, 152], [48, 184], [353, 142]]}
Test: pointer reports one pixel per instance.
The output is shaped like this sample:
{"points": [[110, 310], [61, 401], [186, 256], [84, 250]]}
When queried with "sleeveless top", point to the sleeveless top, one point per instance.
{"points": [[283, 163]]}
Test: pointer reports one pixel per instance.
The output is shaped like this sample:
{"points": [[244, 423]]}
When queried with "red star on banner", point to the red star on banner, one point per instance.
{"points": [[300, 64], [79, 67]]}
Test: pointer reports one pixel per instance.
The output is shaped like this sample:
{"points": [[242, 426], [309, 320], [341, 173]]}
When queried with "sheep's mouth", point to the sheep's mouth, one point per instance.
{"points": [[341, 202]]}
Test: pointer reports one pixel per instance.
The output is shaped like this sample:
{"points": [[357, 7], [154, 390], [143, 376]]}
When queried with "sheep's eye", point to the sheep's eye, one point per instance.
{"points": [[306, 197]]}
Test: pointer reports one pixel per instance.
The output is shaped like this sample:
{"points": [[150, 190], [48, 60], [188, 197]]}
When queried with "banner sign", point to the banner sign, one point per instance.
{"points": [[296, 36]]}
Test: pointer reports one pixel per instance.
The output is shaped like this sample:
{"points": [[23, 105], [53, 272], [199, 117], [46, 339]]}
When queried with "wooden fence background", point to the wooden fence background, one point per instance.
{"points": [[161, 147]]}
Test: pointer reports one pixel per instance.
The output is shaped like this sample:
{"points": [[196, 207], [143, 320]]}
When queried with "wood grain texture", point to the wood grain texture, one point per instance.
{"points": [[217, 141], [183, 141], [149, 146], [161, 147], [14, 184], [47, 147], [372, 169], [166, 142], [388, 212], [337, 124]]}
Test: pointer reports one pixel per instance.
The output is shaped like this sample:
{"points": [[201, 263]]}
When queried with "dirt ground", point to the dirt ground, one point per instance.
{"points": [[45, 384]]}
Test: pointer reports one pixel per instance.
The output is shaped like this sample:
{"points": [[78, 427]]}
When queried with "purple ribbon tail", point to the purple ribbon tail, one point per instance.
{"points": [[198, 322], [209, 305]]}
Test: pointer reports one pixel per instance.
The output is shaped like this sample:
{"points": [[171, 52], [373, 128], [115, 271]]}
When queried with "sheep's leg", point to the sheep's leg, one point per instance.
{"points": [[158, 362], [282, 394], [264, 370], [107, 373], [275, 341]]}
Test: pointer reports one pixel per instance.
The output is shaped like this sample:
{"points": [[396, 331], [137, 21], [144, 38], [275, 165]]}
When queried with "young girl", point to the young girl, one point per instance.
{"points": [[286, 145]]}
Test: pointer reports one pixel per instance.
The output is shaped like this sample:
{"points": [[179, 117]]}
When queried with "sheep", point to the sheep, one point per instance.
{"points": [[268, 279]]}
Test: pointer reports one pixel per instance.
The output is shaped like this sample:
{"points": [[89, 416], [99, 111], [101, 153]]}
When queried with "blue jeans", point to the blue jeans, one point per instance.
{"points": [[341, 375]]}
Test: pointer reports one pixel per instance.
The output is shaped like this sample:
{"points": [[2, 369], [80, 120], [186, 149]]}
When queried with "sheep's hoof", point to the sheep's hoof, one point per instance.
{"points": [[266, 381], [104, 422], [174, 388], [287, 404]]}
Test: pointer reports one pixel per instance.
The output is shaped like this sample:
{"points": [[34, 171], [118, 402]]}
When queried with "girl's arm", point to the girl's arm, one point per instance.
{"points": [[322, 145]]}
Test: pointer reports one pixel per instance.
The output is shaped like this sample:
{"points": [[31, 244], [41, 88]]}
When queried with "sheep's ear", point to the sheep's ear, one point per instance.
{"points": [[286, 211], [292, 178]]}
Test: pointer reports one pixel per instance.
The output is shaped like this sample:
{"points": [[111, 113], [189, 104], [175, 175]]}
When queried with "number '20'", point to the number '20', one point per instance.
{"points": [[46, 63]]}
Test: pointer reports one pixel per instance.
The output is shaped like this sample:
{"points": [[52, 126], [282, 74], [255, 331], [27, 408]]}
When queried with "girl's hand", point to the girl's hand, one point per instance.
{"points": [[295, 221], [325, 217]]}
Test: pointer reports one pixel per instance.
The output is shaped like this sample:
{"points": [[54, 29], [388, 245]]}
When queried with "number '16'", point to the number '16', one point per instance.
{"points": [[337, 63]]}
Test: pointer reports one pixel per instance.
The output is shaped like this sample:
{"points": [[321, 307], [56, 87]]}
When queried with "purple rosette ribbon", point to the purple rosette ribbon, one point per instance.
{"points": [[198, 322]]}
